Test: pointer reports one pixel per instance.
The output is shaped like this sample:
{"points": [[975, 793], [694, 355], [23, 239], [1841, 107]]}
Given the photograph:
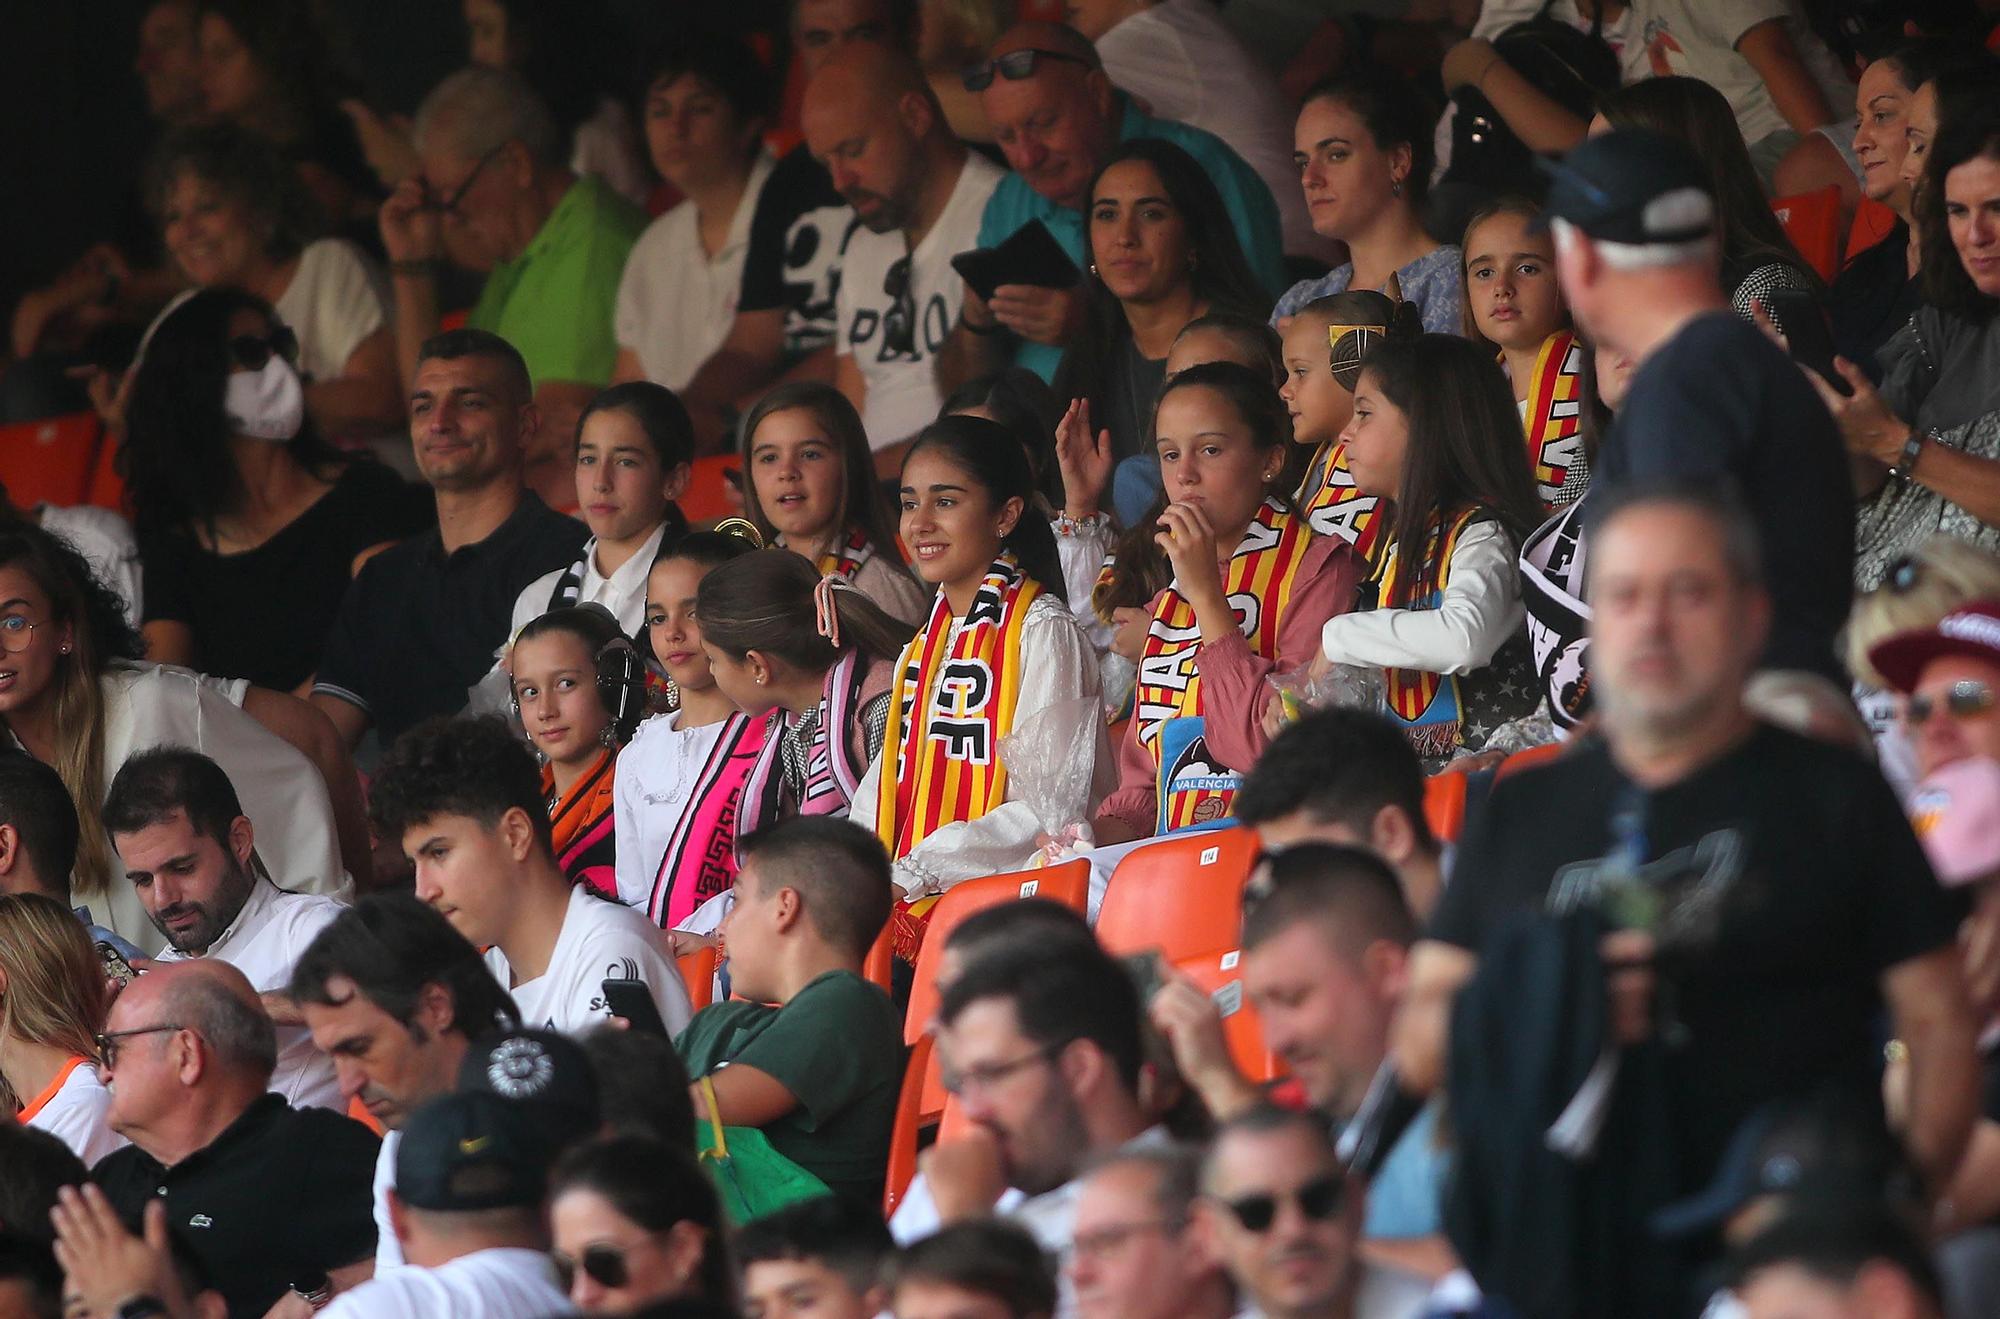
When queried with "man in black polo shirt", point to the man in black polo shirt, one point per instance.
{"points": [[423, 619], [267, 1196], [1790, 899]]}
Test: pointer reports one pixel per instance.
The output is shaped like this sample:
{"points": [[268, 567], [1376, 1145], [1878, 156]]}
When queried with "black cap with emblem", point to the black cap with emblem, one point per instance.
{"points": [[467, 1152], [541, 1070]]}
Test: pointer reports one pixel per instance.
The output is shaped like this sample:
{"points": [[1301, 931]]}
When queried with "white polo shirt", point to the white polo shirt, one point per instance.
{"points": [[507, 1282], [264, 943], [76, 1109], [599, 941]]}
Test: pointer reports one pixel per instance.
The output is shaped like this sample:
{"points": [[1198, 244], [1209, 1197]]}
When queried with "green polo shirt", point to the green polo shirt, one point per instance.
{"points": [[554, 302], [1252, 213]]}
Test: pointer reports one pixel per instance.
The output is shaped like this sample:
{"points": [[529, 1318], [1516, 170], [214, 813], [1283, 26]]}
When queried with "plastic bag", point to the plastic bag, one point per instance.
{"points": [[1355, 685], [1050, 758]]}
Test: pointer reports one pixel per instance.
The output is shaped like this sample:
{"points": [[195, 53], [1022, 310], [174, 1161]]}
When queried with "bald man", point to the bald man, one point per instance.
{"points": [[871, 118], [266, 1195], [1057, 119]]}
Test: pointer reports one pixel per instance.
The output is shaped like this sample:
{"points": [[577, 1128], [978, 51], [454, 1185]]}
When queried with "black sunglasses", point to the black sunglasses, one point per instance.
{"points": [[1319, 1200], [899, 323], [1961, 700], [603, 1265], [1013, 66], [251, 351]]}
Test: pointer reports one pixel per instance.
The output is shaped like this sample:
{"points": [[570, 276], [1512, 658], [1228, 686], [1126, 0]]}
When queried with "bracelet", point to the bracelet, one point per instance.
{"points": [[990, 328], [1065, 525], [415, 265], [1906, 465]]}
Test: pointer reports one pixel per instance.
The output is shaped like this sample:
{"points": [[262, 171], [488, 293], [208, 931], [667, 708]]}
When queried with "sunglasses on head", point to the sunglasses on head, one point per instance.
{"points": [[1319, 1200], [1961, 700], [252, 351], [1013, 66], [603, 1265]]}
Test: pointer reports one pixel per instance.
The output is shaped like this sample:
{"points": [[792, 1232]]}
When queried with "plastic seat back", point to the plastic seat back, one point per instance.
{"points": [[1812, 221], [1444, 805], [1527, 759], [1222, 979], [1181, 895], [698, 973], [909, 1122], [50, 461], [708, 497]]}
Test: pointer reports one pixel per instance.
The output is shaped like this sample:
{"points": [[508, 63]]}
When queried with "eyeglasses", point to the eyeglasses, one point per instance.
{"points": [[108, 1042], [988, 1075], [449, 205], [1112, 1237], [899, 323], [1014, 66], [251, 351], [603, 1265], [1961, 700], [16, 633], [1319, 1199]]}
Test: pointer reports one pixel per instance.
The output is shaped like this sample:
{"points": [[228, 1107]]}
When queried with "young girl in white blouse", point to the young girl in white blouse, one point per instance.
{"points": [[1000, 646], [678, 780], [1436, 435]]}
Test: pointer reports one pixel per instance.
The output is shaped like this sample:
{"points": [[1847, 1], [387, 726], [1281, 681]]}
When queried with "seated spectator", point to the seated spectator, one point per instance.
{"points": [[494, 197], [680, 779], [233, 214], [1347, 776], [447, 593], [464, 798], [31, 1282], [634, 1224], [1434, 434], [1058, 119], [79, 702], [1842, 1257], [706, 104], [394, 996], [1636, 251], [813, 649], [1513, 308], [106, 1266], [808, 1051], [188, 1054], [811, 488], [1758, 259], [1197, 724], [1137, 1252], [1162, 254], [579, 692], [52, 999], [1221, 337], [1182, 62], [1929, 440], [471, 1182], [1285, 1218], [918, 196], [1325, 343], [938, 796], [815, 1256], [250, 525], [38, 1166], [41, 853], [784, 325], [1362, 145], [188, 849], [978, 1267], [642, 1085]]}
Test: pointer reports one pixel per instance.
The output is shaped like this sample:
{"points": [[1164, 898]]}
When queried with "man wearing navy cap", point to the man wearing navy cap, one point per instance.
{"points": [[1712, 399]]}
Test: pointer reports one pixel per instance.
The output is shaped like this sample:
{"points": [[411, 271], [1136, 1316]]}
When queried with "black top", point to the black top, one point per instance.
{"points": [[1872, 299], [797, 234], [1719, 402], [283, 1195], [1799, 850], [418, 627], [263, 614]]}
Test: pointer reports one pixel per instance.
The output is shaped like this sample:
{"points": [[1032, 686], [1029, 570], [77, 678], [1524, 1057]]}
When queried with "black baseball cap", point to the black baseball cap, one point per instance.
{"points": [[1802, 1150], [1632, 186], [542, 1070], [466, 1152]]}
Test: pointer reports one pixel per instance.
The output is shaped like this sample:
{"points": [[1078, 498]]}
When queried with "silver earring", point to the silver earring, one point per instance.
{"points": [[1093, 270], [64, 650], [1395, 187], [608, 738]]}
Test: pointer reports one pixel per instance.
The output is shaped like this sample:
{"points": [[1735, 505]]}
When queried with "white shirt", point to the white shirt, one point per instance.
{"points": [[78, 1114], [1184, 63], [336, 299], [653, 788], [623, 592], [388, 1250], [1480, 610], [599, 941], [676, 302], [264, 943], [1057, 664], [903, 395], [607, 145], [106, 542], [507, 1282]]}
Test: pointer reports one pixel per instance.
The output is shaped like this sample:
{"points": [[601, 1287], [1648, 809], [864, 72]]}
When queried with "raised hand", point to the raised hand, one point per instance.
{"points": [[1085, 461]]}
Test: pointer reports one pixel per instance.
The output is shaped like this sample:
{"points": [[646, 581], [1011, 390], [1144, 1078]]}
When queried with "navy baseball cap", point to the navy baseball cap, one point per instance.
{"points": [[1799, 1150], [470, 1151], [1631, 186], [542, 1070]]}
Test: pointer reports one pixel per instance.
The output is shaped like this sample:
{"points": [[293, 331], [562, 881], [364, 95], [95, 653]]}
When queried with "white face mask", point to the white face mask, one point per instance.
{"points": [[268, 404]]}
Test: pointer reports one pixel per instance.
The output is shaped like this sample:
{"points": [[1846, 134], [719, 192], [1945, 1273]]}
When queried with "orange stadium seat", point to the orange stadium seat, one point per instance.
{"points": [[698, 971], [1527, 759], [1444, 805], [1872, 223], [1812, 221], [50, 461], [1183, 896], [878, 967], [708, 497], [909, 1121], [1222, 979]]}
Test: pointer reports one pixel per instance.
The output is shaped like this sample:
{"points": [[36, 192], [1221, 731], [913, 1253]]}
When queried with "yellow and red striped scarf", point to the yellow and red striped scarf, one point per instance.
{"points": [[847, 556], [953, 700], [1333, 505], [1427, 705], [1258, 584], [1555, 413]]}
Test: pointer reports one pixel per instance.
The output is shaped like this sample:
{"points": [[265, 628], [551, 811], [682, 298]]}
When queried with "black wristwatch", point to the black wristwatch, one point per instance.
{"points": [[141, 1307]]}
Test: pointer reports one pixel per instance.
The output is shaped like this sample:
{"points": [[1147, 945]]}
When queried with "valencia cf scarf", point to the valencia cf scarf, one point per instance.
{"points": [[1555, 413], [1334, 506], [831, 771], [847, 557], [1428, 706], [1167, 717], [952, 701], [580, 823], [700, 860]]}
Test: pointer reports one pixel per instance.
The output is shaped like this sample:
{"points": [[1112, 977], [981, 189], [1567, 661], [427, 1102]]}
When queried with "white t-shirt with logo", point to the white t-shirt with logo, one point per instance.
{"points": [[77, 1112], [903, 394], [507, 1282], [600, 941]]}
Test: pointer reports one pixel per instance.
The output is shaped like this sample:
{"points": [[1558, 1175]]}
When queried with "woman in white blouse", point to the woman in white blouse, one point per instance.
{"points": [[705, 110], [52, 1004]]}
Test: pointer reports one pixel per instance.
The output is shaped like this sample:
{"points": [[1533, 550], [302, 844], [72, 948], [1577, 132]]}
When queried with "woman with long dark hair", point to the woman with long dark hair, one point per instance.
{"points": [[250, 526], [634, 1224], [1162, 252]]}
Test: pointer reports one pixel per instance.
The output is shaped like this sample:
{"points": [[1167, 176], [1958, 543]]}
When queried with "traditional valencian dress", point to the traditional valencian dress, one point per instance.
{"points": [[1197, 720], [581, 820], [675, 808]]}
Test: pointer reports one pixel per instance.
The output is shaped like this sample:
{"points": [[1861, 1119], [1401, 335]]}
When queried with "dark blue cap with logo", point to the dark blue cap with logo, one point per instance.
{"points": [[465, 1152], [1632, 186]]}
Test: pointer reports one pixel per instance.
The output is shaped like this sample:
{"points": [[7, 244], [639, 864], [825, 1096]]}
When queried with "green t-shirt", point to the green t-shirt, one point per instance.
{"points": [[838, 1047], [554, 302]]}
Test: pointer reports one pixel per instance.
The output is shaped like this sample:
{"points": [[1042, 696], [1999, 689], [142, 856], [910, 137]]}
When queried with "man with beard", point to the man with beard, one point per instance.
{"points": [[186, 845], [871, 118]]}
